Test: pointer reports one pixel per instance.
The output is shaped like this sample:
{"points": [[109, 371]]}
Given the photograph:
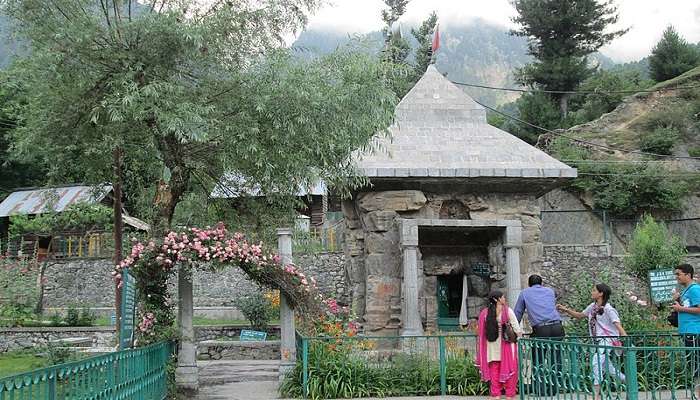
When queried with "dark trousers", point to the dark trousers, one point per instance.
{"points": [[693, 355], [547, 362]]}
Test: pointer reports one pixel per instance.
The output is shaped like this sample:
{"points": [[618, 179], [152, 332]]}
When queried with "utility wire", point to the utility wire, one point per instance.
{"points": [[581, 140], [598, 92]]}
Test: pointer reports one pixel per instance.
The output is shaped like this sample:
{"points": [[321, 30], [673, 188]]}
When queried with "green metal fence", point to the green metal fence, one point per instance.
{"points": [[128, 374], [364, 366], [646, 366]]}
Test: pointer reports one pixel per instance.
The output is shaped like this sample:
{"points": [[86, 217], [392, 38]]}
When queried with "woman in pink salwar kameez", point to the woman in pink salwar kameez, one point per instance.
{"points": [[496, 358]]}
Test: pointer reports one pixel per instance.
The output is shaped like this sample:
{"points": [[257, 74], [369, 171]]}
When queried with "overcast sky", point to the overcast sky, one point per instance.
{"points": [[646, 18]]}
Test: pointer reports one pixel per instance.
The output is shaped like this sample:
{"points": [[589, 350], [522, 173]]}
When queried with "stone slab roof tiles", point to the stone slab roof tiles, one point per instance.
{"points": [[440, 131]]}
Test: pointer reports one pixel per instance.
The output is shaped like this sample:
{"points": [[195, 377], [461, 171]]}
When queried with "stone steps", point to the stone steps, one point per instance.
{"points": [[231, 371]]}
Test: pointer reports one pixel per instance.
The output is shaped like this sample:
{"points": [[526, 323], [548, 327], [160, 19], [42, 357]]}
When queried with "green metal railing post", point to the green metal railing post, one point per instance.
{"points": [[443, 367], [52, 385], [305, 365], [631, 373]]}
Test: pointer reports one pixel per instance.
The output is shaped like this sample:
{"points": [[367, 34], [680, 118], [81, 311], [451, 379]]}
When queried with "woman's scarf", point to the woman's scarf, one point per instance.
{"points": [[509, 355]]}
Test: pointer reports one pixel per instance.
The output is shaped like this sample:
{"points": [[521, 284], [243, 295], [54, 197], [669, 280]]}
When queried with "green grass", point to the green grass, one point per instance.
{"points": [[17, 362]]}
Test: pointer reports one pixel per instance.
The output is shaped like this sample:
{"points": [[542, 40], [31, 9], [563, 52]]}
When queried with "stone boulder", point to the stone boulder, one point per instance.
{"points": [[396, 200], [380, 221]]}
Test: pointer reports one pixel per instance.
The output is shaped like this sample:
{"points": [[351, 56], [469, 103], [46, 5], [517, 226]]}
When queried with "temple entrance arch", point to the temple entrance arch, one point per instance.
{"points": [[434, 275]]}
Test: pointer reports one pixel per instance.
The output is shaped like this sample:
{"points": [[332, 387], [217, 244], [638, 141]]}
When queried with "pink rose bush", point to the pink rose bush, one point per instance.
{"points": [[212, 249]]}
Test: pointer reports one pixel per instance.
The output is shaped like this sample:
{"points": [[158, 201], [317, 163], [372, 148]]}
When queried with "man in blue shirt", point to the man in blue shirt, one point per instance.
{"points": [[541, 306], [687, 305]]}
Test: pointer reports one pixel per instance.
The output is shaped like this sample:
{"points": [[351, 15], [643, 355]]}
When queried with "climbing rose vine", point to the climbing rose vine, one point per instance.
{"points": [[212, 249]]}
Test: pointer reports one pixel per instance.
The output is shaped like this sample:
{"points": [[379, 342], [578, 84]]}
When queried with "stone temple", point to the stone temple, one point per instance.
{"points": [[452, 212]]}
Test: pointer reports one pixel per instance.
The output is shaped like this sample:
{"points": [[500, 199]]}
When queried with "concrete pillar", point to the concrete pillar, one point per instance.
{"points": [[513, 242], [412, 325], [186, 373], [287, 330]]}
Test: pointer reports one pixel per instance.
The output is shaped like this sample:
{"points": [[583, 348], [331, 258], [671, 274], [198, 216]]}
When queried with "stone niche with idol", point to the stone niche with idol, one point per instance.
{"points": [[451, 213]]}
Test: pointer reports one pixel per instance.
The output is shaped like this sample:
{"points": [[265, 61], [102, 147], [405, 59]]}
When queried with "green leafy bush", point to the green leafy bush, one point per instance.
{"points": [[77, 217], [72, 317], [659, 141], [19, 292], [87, 317], [625, 189], [257, 309], [653, 246], [341, 371], [694, 151]]}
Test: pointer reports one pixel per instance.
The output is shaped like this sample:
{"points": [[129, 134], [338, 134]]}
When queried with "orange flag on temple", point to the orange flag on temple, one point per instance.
{"points": [[436, 39]]}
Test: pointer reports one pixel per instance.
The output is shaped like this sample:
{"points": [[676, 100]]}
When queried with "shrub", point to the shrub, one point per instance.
{"points": [[653, 246], [72, 317], [87, 317], [659, 141], [79, 216], [694, 151], [342, 371], [625, 189], [19, 292], [256, 308]]}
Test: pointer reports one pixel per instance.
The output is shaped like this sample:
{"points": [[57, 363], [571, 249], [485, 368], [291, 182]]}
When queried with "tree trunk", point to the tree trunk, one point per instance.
{"points": [[564, 106], [39, 308], [118, 227], [168, 194]]}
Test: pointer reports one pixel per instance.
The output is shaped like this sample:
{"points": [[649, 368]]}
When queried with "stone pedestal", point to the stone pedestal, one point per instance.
{"points": [[186, 374], [287, 331]]}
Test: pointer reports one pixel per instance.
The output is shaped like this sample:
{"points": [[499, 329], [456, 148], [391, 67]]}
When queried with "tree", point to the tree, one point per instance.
{"points": [[191, 92], [396, 48], [672, 56], [15, 172], [424, 36], [561, 34], [602, 100]]}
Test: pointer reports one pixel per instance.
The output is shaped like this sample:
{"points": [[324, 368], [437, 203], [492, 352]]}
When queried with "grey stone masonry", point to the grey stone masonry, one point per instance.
{"points": [[232, 350], [442, 132]]}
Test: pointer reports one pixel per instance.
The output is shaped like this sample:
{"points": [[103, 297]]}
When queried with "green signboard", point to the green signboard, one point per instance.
{"points": [[481, 269], [252, 336], [128, 311], [662, 282]]}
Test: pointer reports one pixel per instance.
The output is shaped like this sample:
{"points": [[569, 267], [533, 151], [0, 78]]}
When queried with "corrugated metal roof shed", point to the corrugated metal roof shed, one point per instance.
{"points": [[232, 186], [37, 201]]}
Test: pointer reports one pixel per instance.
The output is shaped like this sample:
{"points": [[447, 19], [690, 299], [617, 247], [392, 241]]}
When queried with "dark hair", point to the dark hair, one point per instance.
{"points": [[534, 280], [686, 269], [491, 321], [606, 291]]}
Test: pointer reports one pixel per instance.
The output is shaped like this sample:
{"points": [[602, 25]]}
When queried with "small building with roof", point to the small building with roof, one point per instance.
{"points": [[35, 201], [452, 213]]}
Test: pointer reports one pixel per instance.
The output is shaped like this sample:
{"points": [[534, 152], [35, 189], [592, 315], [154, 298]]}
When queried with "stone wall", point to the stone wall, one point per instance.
{"points": [[566, 264], [89, 283], [23, 338], [231, 350], [374, 255], [104, 336]]}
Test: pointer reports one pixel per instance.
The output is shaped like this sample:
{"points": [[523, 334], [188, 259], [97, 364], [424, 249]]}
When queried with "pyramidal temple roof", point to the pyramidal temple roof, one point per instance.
{"points": [[439, 131]]}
